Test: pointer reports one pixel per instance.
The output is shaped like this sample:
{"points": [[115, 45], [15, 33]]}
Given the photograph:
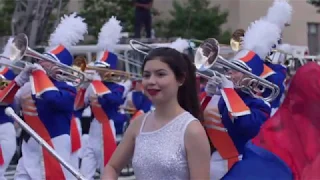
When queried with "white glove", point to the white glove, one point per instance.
{"points": [[88, 94], [212, 85], [226, 83], [84, 85], [92, 75], [23, 76], [37, 67]]}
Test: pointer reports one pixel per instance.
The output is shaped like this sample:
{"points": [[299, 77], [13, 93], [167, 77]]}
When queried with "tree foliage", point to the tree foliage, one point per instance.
{"points": [[315, 3], [97, 12], [46, 21], [197, 19], [6, 11]]}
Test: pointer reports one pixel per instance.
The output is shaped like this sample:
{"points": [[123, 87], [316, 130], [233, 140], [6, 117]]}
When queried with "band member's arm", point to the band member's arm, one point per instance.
{"points": [[61, 98], [112, 96], [246, 116], [8, 93]]}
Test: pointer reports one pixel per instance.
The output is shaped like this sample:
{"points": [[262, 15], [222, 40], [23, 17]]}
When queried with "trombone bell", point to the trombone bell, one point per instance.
{"points": [[207, 54]]}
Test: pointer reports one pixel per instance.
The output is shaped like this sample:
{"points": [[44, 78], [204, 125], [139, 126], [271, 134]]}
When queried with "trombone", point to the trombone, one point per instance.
{"points": [[251, 84], [55, 70], [10, 112]]}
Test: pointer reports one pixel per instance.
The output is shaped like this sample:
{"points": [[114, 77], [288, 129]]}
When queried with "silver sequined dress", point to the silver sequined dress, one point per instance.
{"points": [[160, 154]]}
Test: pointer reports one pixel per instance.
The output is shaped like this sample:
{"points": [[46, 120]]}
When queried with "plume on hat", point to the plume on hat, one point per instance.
{"points": [[261, 36], [180, 44], [69, 32], [109, 35], [8, 48], [280, 13]]}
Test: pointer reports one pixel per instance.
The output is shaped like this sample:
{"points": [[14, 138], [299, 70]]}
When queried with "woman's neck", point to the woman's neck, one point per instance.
{"points": [[167, 111]]}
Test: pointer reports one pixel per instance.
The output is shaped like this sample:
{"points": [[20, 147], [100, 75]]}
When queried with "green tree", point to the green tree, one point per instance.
{"points": [[316, 3], [6, 11], [97, 12], [199, 20]]}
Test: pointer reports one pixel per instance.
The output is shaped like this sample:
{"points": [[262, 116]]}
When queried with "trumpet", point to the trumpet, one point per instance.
{"points": [[54, 69], [251, 84], [105, 73]]}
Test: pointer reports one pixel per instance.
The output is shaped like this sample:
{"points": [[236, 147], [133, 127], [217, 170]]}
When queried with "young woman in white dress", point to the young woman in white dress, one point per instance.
{"points": [[169, 142]]}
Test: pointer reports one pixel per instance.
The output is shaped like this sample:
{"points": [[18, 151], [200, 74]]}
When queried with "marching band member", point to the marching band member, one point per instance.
{"points": [[104, 97], [280, 14], [283, 149], [233, 118], [137, 100], [47, 107], [7, 129], [277, 62], [79, 109], [123, 115]]}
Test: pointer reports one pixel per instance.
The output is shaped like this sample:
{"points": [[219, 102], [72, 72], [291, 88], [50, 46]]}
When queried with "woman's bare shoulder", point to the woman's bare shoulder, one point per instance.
{"points": [[136, 124]]}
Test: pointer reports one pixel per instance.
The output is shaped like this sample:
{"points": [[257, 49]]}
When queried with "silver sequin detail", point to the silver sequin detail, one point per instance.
{"points": [[160, 154]]}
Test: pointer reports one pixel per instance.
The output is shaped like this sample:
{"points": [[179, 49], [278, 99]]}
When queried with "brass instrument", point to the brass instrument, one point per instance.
{"points": [[55, 70], [133, 44], [3, 82], [128, 110], [207, 57], [235, 41], [252, 84], [106, 74], [10, 112]]}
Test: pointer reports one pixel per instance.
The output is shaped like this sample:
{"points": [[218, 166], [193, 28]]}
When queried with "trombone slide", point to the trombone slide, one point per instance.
{"points": [[10, 112]]}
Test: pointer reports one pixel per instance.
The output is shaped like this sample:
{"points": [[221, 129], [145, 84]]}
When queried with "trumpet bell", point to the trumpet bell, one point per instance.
{"points": [[207, 54], [235, 41], [235, 45], [80, 63]]}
